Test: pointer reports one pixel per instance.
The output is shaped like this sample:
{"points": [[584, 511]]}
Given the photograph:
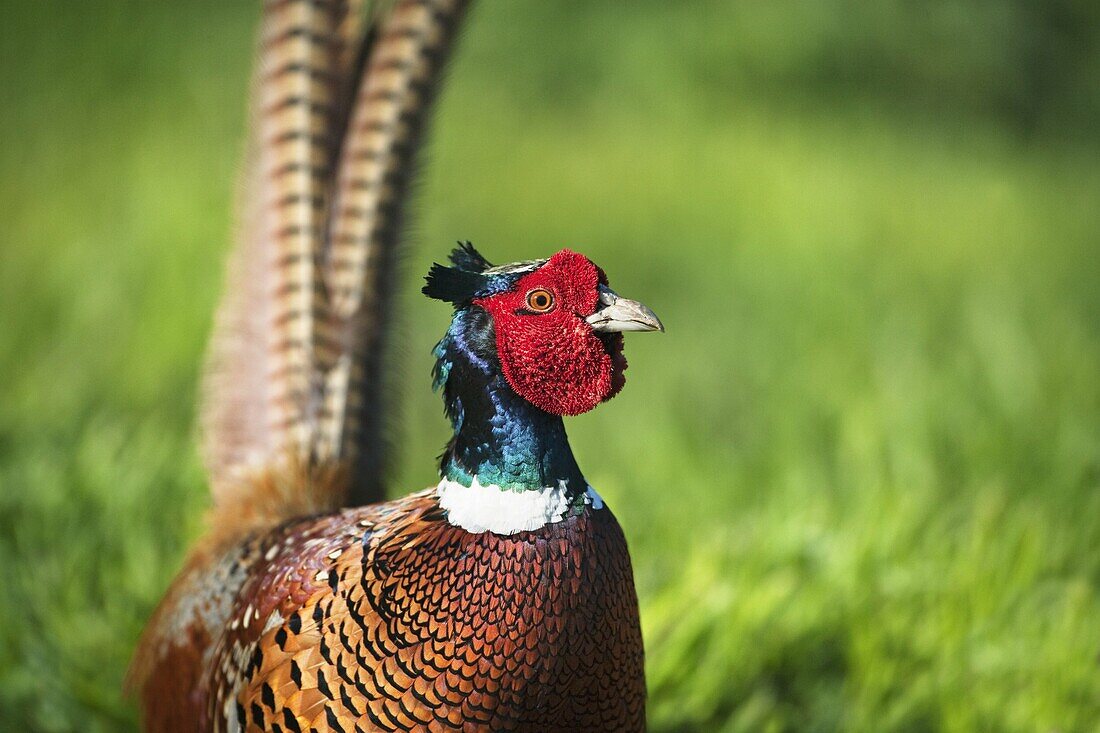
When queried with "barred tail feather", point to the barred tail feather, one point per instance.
{"points": [[375, 167], [292, 389]]}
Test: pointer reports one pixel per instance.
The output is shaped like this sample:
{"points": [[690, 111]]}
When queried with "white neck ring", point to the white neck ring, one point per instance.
{"points": [[477, 508]]}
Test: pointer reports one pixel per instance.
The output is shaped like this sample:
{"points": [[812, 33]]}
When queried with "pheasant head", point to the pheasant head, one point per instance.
{"points": [[529, 342], [557, 325]]}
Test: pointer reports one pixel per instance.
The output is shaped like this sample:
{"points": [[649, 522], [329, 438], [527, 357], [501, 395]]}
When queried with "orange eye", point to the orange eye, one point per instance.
{"points": [[540, 300]]}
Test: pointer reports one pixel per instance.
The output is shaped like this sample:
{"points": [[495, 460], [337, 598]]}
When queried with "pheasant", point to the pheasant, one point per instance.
{"points": [[500, 599]]}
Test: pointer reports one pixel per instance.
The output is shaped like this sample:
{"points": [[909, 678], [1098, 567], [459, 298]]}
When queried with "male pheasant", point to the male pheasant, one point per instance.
{"points": [[501, 599]]}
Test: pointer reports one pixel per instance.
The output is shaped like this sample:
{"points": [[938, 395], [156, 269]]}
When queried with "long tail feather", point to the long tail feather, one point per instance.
{"points": [[375, 168], [292, 387]]}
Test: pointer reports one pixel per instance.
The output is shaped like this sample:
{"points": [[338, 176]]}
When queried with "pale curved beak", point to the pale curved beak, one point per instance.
{"points": [[614, 313]]}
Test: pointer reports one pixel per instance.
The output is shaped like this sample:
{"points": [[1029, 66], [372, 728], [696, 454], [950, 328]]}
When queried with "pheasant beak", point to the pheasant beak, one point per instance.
{"points": [[620, 314]]}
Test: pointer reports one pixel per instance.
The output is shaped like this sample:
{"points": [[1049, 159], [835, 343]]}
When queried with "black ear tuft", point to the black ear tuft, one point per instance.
{"points": [[453, 285], [465, 257]]}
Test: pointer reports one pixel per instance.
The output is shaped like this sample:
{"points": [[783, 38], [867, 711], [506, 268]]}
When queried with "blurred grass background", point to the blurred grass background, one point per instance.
{"points": [[860, 474]]}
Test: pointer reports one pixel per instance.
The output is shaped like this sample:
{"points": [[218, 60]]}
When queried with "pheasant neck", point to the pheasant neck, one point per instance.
{"points": [[512, 445], [500, 439]]}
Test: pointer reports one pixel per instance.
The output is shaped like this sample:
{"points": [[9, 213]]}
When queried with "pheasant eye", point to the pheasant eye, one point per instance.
{"points": [[540, 300]]}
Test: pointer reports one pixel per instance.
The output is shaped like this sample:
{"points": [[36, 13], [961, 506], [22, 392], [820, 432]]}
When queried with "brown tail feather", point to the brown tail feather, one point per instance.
{"points": [[293, 385], [375, 167]]}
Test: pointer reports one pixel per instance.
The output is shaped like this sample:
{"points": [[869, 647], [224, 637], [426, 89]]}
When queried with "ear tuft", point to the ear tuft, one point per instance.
{"points": [[465, 257], [454, 285]]}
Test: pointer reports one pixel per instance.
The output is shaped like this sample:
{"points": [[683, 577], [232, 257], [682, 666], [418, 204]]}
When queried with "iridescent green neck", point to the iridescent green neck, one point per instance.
{"points": [[499, 437]]}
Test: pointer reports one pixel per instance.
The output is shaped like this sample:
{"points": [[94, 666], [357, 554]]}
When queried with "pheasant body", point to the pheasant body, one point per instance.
{"points": [[390, 618]]}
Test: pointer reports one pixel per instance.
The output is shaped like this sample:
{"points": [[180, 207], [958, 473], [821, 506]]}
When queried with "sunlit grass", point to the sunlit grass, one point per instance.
{"points": [[859, 473]]}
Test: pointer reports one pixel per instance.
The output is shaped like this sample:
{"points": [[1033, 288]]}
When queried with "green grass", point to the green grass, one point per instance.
{"points": [[860, 473]]}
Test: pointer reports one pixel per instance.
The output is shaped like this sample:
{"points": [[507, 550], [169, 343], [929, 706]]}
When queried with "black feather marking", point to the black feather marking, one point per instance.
{"points": [[322, 684], [296, 673], [453, 285], [465, 257], [333, 721], [268, 696], [290, 721], [347, 702]]}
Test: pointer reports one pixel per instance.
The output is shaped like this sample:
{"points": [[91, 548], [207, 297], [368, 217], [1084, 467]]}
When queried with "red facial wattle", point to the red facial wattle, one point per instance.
{"points": [[554, 359]]}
